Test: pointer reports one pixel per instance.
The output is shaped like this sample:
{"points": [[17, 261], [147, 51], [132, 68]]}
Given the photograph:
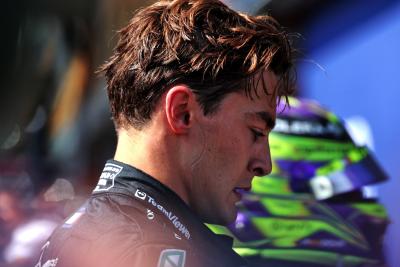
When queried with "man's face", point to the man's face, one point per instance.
{"points": [[233, 148]]}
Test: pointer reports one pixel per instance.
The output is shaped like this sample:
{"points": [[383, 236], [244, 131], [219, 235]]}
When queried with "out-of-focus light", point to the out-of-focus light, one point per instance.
{"points": [[38, 121], [27, 239], [13, 139], [61, 189]]}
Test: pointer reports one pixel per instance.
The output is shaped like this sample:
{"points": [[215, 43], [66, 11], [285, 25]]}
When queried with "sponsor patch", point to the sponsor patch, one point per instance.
{"points": [[172, 258], [107, 177]]}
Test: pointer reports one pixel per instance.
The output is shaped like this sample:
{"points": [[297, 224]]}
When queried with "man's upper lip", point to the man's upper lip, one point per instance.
{"points": [[243, 188]]}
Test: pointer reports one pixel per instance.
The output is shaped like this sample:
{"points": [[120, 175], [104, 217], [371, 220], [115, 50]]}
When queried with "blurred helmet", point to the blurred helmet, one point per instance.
{"points": [[311, 146], [310, 211]]}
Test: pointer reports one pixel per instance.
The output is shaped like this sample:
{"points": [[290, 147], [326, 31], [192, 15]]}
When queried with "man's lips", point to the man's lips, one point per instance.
{"points": [[242, 189], [239, 191]]}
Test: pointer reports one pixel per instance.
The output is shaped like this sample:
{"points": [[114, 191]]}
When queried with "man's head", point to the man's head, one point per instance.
{"points": [[209, 78], [203, 44]]}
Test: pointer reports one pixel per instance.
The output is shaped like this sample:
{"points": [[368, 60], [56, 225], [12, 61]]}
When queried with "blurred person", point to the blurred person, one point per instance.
{"points": [[10, 216], [23, 228], [311, 210], [193, 87]]}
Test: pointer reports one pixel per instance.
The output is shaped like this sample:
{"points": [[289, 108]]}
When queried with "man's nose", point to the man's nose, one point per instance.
{"points": [[260, 164]]}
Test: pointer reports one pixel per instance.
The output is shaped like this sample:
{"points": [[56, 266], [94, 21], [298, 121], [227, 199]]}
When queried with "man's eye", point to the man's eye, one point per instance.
{"points": [[257, 134]]}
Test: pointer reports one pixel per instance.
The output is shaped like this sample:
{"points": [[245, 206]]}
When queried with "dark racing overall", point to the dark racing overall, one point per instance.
{"points": [[132, 220]]}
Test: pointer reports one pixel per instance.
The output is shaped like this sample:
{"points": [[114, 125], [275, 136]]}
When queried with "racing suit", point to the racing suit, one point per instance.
{"points": [[131, 219]]}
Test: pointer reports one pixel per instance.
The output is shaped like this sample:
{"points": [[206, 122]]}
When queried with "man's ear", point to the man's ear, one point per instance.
{"points": [[179, 105]]}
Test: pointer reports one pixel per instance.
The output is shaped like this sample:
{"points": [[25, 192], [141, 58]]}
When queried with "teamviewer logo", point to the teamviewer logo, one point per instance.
{"points": [[140, 194]]}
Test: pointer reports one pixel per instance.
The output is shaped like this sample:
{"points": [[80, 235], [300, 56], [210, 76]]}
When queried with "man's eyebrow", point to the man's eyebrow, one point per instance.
{"points": [[266, 117]]}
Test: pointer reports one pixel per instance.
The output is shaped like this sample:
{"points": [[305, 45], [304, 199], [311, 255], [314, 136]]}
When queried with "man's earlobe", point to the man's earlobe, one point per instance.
{"points": [[178, 108]]}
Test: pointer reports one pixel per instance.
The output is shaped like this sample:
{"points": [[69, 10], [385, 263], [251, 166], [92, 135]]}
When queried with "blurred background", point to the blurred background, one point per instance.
{"points": [[56, 131]]}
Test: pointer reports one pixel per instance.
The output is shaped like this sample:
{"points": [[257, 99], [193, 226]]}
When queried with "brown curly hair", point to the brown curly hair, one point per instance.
{"points": [[201, 43]]}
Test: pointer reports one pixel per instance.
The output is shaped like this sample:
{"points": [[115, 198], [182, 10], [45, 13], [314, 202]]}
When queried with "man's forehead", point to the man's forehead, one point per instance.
{"points": [[264, 84], [263, 116]]}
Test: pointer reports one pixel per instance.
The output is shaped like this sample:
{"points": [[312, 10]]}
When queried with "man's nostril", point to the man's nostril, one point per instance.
{"points": [[259, 172]]}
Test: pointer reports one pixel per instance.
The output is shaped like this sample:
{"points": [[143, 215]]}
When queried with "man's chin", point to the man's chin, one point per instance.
{"points": [[225, 218]]}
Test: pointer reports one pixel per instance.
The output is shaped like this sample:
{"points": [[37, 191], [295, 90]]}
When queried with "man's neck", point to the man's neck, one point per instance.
{"points": [[154, 154]]}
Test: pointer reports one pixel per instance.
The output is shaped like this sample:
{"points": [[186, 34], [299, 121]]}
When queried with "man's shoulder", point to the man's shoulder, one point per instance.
{"points": [[113, 227], [113, 216], [117, 230], [119, 253]]}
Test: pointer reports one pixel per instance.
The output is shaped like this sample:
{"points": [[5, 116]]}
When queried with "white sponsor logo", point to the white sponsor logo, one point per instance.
{"points": [[140, 194], [177, 236], [173, 218], [150, 215], [322, 187], [107, 177]]}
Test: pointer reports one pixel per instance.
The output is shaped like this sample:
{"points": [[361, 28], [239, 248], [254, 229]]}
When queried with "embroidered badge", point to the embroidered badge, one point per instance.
{"points": [[172, 258], [107, 177]]}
